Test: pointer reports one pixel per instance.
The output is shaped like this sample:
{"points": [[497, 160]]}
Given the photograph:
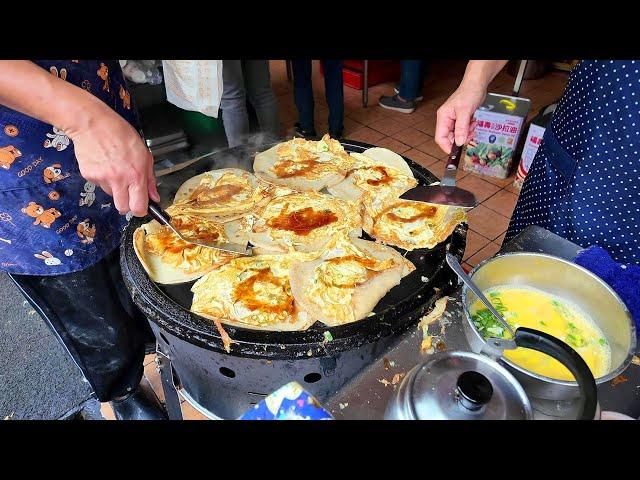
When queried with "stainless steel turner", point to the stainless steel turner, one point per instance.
{"points": [[163, 217], [446, 193]]}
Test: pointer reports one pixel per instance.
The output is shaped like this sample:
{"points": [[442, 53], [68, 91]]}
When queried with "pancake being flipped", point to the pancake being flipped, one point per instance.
{"points": [[219, 195], [304, 165], [303, 222], [169, 260], [252, 292], [408, 224], [348, 280], [375, 170]]}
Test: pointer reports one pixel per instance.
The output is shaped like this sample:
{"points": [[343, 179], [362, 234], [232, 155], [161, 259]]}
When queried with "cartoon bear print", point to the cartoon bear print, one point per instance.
{"points": [[126, 98], [48, 258], [42, 217], [52, 173], [86, 231], [88, 196], [8, 155], [103, 73], [62, 74], [58, 140]]}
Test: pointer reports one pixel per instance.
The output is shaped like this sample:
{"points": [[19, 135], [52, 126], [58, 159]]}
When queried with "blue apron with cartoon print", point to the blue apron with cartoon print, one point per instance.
{"points": [[52, 221], [584, 182]]}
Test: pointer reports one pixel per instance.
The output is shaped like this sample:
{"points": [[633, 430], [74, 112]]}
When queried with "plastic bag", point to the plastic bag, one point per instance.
{"points": [[141, 71], [194, 85]]}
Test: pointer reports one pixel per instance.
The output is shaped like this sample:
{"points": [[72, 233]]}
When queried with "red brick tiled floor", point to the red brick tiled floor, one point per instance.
{"points": [[412, 136]]}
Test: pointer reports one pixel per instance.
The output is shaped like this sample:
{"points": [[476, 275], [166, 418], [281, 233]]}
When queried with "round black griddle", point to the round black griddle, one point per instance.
{"points": [[168, 305]]}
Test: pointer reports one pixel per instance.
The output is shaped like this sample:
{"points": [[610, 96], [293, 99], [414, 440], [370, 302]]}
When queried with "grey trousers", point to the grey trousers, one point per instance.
{"points": [[244, 79]]}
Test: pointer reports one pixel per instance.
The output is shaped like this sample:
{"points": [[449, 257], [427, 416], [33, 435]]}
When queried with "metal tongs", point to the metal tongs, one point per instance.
{"points": [[494, 345], [157, 212], [446, 193]]}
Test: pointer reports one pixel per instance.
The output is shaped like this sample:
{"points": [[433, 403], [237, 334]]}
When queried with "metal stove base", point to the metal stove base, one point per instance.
{"points": [[189, 399]]}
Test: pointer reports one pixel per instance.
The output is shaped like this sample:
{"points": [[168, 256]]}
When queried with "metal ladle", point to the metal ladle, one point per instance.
{"points": [[457, 268]]}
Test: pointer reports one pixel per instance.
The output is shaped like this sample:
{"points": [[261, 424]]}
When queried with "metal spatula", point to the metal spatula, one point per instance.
{"points": [[446, 193], [163, 217]]}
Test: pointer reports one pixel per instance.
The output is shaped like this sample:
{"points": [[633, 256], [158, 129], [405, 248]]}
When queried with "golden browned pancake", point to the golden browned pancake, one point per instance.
{"points": [[304, 165], [408, 224], [348, 280], [220, 195], [252, 292], [167, 259], [303, 222]]}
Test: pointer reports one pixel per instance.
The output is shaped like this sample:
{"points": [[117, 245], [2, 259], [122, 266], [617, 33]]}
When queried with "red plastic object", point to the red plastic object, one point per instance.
{"points": [[380, 71]]}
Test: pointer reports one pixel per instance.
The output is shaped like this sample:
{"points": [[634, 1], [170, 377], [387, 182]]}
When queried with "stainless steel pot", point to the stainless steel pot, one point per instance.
{"points": [[555, 398], [454, 385]]}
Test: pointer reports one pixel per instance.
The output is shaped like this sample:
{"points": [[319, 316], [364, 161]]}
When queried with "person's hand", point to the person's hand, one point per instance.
{"points": [[455, 116], [112, 155]]}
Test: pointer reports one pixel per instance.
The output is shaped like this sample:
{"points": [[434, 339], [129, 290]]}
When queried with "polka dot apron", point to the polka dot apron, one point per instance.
{"points": [[52, 221], [584, 183]]}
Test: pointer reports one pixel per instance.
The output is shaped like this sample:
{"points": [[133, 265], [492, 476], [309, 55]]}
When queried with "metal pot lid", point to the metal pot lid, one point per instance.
{"points": [[456, 385]]}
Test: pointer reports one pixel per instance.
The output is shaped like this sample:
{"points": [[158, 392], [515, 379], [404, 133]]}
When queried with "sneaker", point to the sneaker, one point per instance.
{"points": [[396, 89], [302, 133], [394, 103]]}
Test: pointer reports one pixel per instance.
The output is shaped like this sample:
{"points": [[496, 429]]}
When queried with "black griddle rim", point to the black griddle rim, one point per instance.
{"points": [[311, 343]]}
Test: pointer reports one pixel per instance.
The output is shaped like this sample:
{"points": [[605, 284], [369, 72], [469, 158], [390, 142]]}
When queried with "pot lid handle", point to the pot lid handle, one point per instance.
{"points": [[474, 390]]}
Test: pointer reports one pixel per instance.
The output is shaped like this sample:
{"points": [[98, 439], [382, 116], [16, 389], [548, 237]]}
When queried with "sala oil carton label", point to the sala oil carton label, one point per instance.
{"points": [[490, 152]]}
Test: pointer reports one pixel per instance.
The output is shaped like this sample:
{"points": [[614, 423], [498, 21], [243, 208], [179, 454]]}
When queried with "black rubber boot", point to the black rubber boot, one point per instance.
{"points": [[138, 406]]}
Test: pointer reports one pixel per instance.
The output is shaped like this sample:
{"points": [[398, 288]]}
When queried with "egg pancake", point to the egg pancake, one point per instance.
{"points": [[348, 280], [304, 165], [252, 292], [303, 222], [219, 195], [375, 170], [408, 224], [168, 260]]}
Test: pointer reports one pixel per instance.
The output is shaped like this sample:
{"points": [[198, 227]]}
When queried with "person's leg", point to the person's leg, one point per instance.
{"points": [[410, 79], [258, 84], [424, 70], [233, 103], [93, 316], [334, 91], [407, 92], [303, 94]]}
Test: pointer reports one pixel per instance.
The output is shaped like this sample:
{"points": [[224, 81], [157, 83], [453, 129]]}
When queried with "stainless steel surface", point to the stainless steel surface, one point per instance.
{"points": [[455, 266], [162, 217], [568, 281], [180, 145], [367, 395], [519, 77], [365, 84], [168, 138], [167, 166], [433, 391], [445, 192], [492, 103], [453, 196]]}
